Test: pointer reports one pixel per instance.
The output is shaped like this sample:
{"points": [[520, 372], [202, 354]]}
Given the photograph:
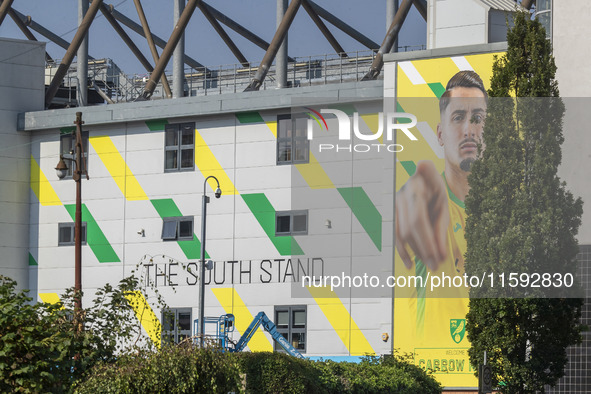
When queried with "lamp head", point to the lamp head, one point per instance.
{"points": [[218, 192], [61, 169]]}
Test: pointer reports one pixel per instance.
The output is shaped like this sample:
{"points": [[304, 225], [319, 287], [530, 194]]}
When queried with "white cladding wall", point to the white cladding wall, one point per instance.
{"points": [[455, 23], [21, 89], [570, 20], [253, 272]]}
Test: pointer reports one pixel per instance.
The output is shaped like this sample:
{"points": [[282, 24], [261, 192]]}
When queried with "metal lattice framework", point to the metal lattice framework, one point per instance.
{"points": [[145, 90]]}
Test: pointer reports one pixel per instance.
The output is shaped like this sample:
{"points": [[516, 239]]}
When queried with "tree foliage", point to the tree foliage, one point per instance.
{"points": [[521, 219], [183, 369], [43, 349]]}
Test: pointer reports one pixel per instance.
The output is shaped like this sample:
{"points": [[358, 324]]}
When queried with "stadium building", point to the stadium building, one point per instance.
{"points": [[294, 203]]}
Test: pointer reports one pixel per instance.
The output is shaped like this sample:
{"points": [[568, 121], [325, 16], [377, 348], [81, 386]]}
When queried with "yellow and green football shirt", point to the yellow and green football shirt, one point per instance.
{"points": [[432, 325]]}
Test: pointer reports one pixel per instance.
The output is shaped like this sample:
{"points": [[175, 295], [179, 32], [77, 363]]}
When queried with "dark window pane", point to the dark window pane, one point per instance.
{"points": [[300, 223], [284, 152], [298, 340], [83, 235], [167, 337], [282, 319], [299, 319], [172, 136], [168, 321], [169, 229], [66, 144], [184, 321], [65, 234], [187, 158], [187, 136], [283, 224], [171, 159], [186, 229], [301, 127], [301, 151], [284, 128]]}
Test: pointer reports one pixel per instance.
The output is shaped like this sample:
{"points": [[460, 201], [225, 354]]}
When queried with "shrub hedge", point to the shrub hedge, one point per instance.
{"points": [[186, 370]]}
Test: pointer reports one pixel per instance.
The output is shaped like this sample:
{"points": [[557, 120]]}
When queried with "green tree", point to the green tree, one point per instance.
{"points": [[41, 348], [521, 219]]}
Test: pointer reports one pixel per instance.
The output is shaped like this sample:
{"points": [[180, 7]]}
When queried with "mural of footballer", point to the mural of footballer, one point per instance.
{"points": [[430, 205], [430, 222]]}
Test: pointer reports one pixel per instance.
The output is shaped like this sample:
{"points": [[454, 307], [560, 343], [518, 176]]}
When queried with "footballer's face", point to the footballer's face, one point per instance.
{"points": [[460, 129]]}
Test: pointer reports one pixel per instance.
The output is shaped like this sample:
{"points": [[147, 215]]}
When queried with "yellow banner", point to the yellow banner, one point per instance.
{"points": [[431, 183]]}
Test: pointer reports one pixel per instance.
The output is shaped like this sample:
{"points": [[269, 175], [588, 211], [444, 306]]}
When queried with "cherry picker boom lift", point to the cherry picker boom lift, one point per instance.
{"points": [[225, 325]]}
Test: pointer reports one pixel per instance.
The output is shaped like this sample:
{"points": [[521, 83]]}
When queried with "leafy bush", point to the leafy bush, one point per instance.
{"points": [[185, 370], [47, 347], [387, 374], [279, 373], [178, 369]]}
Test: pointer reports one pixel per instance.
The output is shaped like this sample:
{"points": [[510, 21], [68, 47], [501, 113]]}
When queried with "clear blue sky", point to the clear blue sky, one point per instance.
{"points": [[202, 42]]}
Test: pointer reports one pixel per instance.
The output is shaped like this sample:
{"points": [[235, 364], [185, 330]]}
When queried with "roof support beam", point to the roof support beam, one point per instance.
{"points": [[327, 34], [178, 31], [28, 21], [178, 62], [378, 61], [26, 32], [189, 61], [69, 56], [151, 45], [224, 36], [421, 6], [344, 27], [238, 28], [4, 7], [263, 68], [125, 37], [82, 59]]}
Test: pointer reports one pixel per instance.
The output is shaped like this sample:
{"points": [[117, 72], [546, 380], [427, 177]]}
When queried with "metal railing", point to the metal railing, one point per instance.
{"points": [[304, 71]]}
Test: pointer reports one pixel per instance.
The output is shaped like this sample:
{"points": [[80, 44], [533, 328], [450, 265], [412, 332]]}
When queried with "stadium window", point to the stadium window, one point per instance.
{"points": [[179, 147], [67, 147], [291, 323], [293, 146], [291, 223], [177, 228], [176, 325], [66, 234]]}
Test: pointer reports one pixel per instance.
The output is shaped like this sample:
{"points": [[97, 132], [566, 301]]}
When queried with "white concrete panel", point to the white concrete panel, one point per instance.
{"points": [[22, 52], [255, 132], [140, 138], [145, 162], [14, 235], [14, 144], [260, 179], [576, 159], [570, 19], [107, 209], [255, 248], [216, 132], [19, 275], [462, 35], [452, 13], [224, 154], [14, 98], [256, 154], [15, 214]]}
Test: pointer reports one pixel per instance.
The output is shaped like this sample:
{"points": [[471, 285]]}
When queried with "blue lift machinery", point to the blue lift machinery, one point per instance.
{"points": [[225, 325]]}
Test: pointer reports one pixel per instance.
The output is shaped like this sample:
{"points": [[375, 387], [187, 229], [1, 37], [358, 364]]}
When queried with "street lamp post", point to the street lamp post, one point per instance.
{"points": [[62, 171], [205, 200]]}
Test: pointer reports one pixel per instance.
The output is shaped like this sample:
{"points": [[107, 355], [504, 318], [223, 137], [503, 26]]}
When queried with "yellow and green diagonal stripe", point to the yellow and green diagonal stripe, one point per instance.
{"points": [[167, 208], [95, 238]]}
